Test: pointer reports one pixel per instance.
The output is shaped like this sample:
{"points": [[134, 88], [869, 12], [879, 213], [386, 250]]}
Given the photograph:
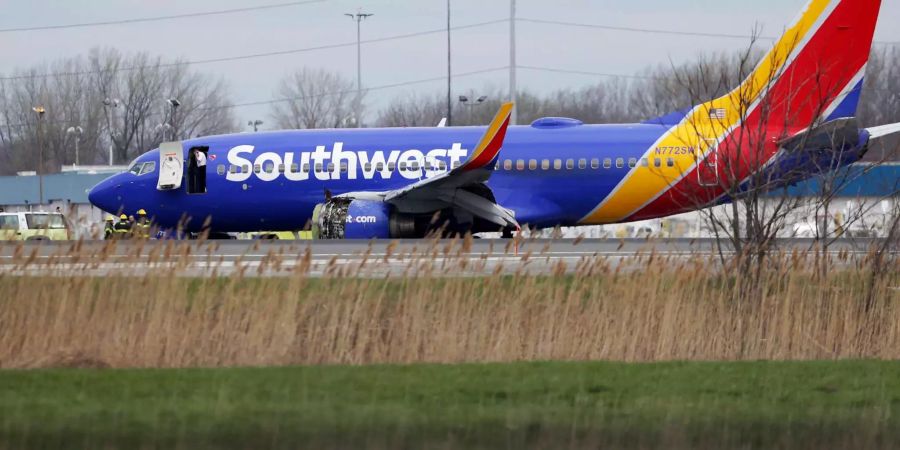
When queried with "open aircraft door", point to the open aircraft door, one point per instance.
{"points": [[171, 165]]}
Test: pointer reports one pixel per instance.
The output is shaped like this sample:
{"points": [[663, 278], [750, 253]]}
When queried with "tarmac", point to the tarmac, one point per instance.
{"points": [[425, 257]]}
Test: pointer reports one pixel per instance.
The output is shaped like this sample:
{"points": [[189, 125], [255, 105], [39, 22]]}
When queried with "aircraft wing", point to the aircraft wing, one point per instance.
{"points": [[462, 187]]}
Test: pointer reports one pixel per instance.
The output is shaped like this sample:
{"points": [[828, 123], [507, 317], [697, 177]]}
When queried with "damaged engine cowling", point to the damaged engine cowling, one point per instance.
{"points": [[341, 218]]}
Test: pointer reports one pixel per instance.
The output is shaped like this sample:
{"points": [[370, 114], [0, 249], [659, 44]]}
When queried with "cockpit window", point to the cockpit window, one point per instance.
{"points": [[142, 168], [149, 167]]}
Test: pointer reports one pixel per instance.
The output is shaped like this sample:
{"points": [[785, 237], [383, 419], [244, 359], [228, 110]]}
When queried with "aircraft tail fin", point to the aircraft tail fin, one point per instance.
{"points": [[813, 72]]}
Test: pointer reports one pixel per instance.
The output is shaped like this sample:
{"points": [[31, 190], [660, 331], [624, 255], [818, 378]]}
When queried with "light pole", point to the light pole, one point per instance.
{"points": [[358, 17], [174, 103], [77, 131], [449, 77], [255, 124], [40, 113], [110, 103], [164, 127], [512, 60], [464, 101]]}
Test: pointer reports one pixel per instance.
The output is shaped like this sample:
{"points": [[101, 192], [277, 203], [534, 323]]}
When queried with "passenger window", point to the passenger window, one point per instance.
{"points": [[532, 164], [391, 166], [607, 163], [645, 162], [582, 163], [233, 168], [269, 167], [670, 162], [318, 167], [220, 169], [570, 164], [246, 168], [330, 167], [520, 164], [507, 164], [595, 163], [403, 165], [295, 168], [379, 166], [343, 167], [620, 163], [557, 164], [256, 168], [632, 162], [545, 164], [456, 164], [367, 167], [442, 165], [657, 162], [281, 168], [305, 167], [414, 166]]}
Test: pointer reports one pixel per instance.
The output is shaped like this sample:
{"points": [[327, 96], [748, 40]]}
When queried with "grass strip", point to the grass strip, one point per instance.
{"points": [[517, 405]]}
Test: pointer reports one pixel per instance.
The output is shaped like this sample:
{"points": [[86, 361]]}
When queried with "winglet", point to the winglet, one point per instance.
{"points": [[487, 150]]}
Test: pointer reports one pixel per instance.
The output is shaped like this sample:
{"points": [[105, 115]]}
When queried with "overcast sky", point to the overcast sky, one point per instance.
{"points": [[396, 61]]}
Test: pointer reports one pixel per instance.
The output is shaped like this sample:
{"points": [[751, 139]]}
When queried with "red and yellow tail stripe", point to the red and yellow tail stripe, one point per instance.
{"points": [[715, 121], [487, 150], [834, 57]]}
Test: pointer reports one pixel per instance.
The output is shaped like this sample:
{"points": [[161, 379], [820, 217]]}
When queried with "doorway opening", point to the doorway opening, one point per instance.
{"points": [[196, 170]]}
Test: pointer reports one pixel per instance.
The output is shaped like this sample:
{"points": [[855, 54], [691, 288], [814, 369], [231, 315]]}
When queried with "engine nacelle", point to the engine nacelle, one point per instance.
{"points": [[341, 218]]}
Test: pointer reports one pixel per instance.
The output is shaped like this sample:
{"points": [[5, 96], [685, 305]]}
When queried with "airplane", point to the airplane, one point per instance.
{"points": [[791, 118]]}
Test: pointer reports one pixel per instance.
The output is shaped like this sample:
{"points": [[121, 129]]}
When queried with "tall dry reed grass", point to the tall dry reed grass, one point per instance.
{"points": [[658, 310]]}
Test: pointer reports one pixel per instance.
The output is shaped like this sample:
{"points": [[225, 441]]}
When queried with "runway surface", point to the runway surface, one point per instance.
{"points": [[425, 257]]}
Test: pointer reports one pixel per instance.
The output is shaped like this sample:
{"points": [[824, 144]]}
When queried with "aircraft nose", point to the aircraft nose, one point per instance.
{"points": [[103, 195]]}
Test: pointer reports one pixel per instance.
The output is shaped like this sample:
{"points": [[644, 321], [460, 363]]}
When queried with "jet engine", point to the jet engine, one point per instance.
{"points": [[342, 218]]}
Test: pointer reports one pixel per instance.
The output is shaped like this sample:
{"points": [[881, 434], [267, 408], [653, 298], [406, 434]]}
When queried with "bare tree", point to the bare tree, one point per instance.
{"points": [[65, 100], [736, 141], [883, 258], [606, 102], [601, 103], [73, 90], [315, 98], [880, 100], [135, 89], [413, 110]]}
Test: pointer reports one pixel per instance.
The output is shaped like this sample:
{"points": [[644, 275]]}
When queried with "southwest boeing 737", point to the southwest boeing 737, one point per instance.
{"points": [[793, 114]]}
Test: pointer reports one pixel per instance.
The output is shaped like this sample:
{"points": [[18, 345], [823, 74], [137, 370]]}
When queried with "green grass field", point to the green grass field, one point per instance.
{"points": [[534, 405]]}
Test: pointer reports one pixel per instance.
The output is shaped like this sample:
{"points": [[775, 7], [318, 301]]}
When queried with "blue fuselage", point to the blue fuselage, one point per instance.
{"points": [[269, 181]]}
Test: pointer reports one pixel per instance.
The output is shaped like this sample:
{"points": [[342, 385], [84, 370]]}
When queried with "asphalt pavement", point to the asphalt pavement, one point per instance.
{"points": [[448, 257]]}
